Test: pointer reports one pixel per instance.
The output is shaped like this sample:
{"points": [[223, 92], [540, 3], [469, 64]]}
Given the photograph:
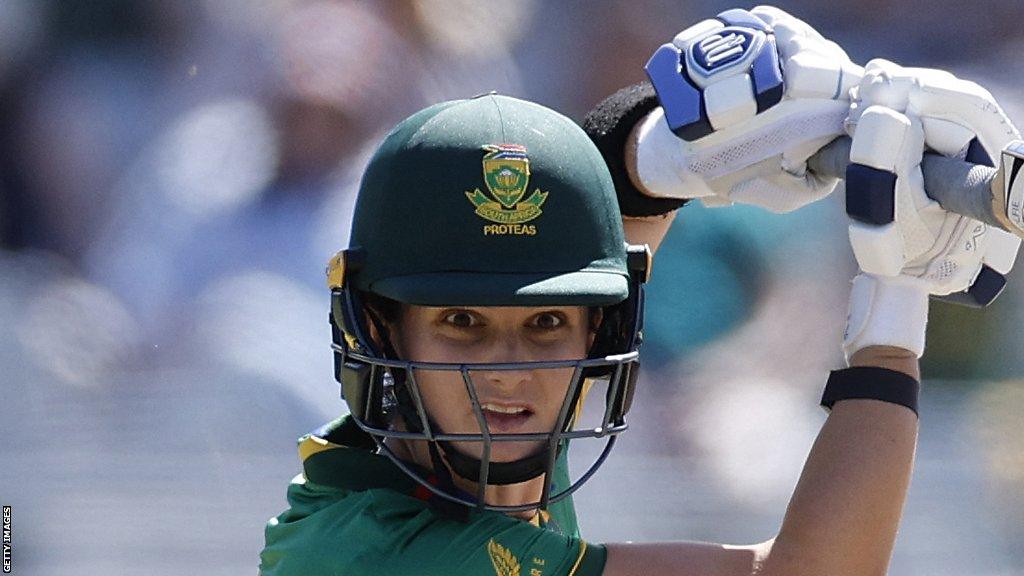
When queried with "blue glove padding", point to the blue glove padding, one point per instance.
{"points": [[737, 45], [745, 99]]}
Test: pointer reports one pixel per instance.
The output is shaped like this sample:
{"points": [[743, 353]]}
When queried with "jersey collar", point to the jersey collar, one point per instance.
{"points": [[340, 455]]}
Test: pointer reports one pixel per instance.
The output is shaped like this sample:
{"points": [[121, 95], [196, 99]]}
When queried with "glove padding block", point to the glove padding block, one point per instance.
{"points": [[882, 134], [730, 102]]}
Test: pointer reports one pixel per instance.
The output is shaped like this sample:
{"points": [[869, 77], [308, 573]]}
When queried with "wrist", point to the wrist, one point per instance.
{"points": [[888, 357], [887, 312]]}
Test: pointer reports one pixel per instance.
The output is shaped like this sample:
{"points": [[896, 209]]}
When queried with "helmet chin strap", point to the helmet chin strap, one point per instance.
{"points": [[498, 473]]}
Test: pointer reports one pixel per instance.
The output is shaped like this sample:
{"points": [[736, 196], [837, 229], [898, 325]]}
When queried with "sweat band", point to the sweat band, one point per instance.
{"points": [[609, 125], [870, 383]]}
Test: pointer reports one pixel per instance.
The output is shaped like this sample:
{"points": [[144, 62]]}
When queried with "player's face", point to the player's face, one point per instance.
{"points": [[513, 401]]}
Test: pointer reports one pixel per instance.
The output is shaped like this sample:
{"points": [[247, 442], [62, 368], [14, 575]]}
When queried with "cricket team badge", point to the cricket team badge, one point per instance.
{"points": [[507, 177]]}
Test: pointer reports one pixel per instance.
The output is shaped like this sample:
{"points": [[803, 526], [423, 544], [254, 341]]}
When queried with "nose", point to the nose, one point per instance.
{"points": [[505, 381], [508, 351]]}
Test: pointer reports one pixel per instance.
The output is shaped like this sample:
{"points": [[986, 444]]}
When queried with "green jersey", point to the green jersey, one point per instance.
{"points": [[353, 512]]}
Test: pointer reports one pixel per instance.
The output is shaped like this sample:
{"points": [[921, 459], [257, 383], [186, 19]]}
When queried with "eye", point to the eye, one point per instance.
{"points": [[461, 319], [548, 320]]}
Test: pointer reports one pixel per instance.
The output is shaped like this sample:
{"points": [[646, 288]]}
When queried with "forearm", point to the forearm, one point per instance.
{"points": [[845, 511], [684, 558]]}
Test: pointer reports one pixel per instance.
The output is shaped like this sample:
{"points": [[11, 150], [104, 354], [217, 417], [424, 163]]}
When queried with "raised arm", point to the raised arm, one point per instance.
{"points": [[844, 513]]}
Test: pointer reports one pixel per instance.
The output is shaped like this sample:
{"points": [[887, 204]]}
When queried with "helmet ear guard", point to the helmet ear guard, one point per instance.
{"points": [[640, 263], [356, 378], [621, 330]]}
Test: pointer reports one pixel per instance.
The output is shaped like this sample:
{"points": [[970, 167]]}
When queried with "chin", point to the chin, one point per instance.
{"points": [[509, 451]]}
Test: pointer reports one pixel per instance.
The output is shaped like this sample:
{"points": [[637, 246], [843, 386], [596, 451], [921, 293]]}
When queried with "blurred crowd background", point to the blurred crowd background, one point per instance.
{"points": [[174, 175]]}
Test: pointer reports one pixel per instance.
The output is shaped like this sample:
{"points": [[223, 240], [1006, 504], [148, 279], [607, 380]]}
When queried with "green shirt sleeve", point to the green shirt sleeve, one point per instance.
{"points": [[383, 532]]}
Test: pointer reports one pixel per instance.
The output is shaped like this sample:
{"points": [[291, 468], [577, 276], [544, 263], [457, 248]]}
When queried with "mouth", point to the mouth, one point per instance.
{"points": [[505, 418]]}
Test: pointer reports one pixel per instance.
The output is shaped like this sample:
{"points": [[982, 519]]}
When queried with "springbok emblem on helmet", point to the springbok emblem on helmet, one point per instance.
{"points": [[507, 177]]}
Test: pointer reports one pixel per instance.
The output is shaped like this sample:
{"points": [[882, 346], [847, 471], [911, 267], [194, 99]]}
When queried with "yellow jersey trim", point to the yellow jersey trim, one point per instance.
{"points": [[311, 445], [579, 559], [542, 517]]}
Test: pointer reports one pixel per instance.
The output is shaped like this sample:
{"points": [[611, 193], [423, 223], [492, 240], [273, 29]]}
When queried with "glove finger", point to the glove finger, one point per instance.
{"points": [[974, 128], [916, 75], [884, 84], [961, 265], [883, 181], [885, 139], [967, 104], [990, 280], [811, 74], [787, 28], [815, 67], [784, 192], [948, 133], [1002, 251], [946, 137], [775, 16]]}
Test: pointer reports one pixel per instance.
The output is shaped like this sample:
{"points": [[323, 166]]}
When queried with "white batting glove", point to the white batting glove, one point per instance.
{"points": [[896, 114], [907, 246], [745, 98]]}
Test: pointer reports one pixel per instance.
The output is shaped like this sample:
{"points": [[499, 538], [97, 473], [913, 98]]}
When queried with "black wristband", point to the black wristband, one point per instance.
{"points": [[868, 383], [609, 125]]}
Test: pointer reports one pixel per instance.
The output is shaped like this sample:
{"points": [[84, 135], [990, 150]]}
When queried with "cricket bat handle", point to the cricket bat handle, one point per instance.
{"points": [[992, 195]]}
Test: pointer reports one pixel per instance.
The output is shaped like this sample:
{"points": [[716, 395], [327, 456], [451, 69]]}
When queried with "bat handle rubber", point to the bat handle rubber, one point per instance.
{"points": [[958, 186]]}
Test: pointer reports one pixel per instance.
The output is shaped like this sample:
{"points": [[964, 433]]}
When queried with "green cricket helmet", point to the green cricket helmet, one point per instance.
{"points": [[490, 201]]}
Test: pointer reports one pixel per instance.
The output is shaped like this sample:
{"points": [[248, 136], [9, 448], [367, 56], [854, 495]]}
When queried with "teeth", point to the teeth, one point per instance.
{"points": [[503, 409]]}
